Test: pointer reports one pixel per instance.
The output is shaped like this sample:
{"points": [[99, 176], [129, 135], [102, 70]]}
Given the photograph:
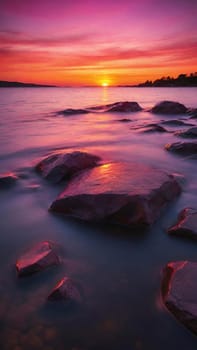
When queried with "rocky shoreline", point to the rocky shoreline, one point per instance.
{"points": [[129, 194]]}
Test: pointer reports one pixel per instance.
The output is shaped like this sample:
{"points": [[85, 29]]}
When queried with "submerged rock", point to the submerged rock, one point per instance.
{"points": [[154, 128], [186, 225], [67, 290], [182, 148], [7, 180], [179, 291], [123, 193], [190, 133], [175, 122], [62, 165], [37, 259], [169, 107], [124, 120], [71, 111], [193, 113]]}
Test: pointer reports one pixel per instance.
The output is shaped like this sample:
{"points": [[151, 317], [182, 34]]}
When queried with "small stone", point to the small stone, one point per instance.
{"points": [[186, 225], [37, 259], [67, 290], [7, 180]]}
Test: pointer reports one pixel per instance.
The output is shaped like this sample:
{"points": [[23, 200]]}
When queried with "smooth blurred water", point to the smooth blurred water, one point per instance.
{"points": [[119, 270]]}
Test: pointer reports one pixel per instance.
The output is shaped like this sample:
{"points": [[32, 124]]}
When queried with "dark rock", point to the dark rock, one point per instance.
{"points": [[125, 107], [37, 259], [169, 107], [67, 290], [186, 225], [193, 113], [123, 193], [179, 291], [71, 111], [175, 122], [154, 128], [124, 120], [182, 148], [7, 180], [62, 165], [190, 133]]}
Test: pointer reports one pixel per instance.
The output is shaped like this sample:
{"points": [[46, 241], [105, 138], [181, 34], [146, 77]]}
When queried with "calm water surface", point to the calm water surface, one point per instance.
{"points": [[119, 270]]}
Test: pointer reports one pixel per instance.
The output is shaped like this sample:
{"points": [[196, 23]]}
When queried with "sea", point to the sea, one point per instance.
{"points": [[119, 269]]}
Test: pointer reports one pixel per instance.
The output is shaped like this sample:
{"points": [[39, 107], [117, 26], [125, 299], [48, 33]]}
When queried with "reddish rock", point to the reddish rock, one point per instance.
{"points": [[7, 180], [186, 225], [67, 290], [190, 133], [169, 107], [62, 165], [124, 193], [182, 148], [37, 259], [179, 291]]}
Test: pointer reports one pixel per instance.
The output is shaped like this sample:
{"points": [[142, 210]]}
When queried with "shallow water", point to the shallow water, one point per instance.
{"points": [[120, 271]]}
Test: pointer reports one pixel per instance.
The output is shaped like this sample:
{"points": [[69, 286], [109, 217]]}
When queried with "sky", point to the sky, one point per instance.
{"points": [[78, 42]]}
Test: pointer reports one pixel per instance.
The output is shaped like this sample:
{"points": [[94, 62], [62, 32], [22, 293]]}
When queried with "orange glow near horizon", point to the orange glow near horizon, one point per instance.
{"points": [[65, 44]]}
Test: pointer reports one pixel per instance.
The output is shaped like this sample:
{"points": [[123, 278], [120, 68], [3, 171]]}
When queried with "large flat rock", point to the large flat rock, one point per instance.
{"points": [[169, 107], [179, 291], [36, 259], [186, 225], [63, 165], [124, 193]]}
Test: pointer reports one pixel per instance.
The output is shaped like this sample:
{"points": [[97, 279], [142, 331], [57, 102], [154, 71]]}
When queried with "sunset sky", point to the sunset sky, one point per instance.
{"points": [[73, 42]]}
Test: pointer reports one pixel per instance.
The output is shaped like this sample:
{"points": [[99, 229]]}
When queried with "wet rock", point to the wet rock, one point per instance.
{"points": [[193, 113], [125, 107], [71, 111], [124, 120], [186, 225], [179, 291], [37, 259], [190, 133], [7, 180], [182, 148], [123, 193], [169, 107], [175, 122], [63, 165], [67, 290], [154, 128]]}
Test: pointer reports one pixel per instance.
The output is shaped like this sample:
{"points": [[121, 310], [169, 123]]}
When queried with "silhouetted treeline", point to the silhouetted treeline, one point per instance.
{"points": [[181, 81], [18, 84]]}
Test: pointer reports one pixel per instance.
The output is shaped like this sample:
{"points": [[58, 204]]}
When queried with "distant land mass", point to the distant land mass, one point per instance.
{"points": [[183, 80], [19, 84]]}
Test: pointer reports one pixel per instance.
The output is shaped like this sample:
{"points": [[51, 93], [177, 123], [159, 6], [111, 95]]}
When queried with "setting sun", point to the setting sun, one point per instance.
{"points": [[104, 84]]}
